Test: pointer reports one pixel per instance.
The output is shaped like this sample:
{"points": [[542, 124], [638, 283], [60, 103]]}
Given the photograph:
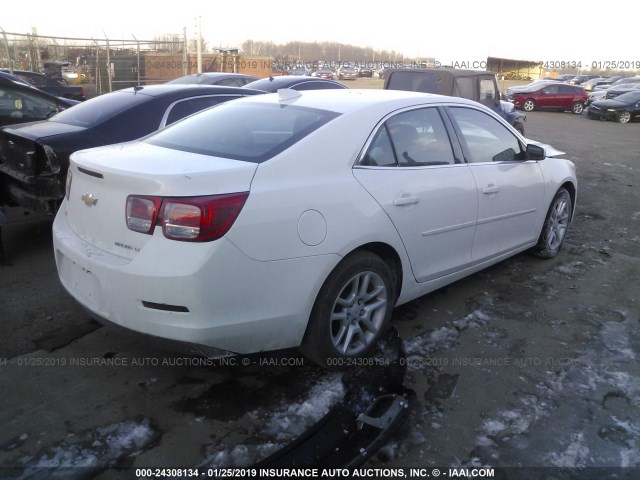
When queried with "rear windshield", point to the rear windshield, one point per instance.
{"points": [[252, 132], [426, 82], [98, 109]]}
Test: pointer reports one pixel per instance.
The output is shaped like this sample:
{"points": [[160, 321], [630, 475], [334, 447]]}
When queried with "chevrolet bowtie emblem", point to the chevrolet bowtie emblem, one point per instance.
{"points": [[88, 199]]}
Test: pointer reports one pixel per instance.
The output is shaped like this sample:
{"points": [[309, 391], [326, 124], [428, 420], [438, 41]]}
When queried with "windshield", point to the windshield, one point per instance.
{"points": [[252, 132], [98, 109]]}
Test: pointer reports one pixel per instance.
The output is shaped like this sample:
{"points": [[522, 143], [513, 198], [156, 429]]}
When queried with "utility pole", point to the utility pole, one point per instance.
{"points": [[199, 44]]}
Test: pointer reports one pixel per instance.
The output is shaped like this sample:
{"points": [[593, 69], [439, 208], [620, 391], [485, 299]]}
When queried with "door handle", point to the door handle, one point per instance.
{"points": [[490, 189], [405, 200]]}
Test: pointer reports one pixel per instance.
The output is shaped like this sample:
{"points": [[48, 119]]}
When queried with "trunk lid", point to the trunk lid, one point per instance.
{"points": [[103, 178]]}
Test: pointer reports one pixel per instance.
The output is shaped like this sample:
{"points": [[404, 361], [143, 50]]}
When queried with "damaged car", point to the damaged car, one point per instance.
{"points": [[301, 219], [34, 156]]}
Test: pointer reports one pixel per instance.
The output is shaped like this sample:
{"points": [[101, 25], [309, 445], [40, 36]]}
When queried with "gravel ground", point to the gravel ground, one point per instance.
{"points": [[530, 363]]}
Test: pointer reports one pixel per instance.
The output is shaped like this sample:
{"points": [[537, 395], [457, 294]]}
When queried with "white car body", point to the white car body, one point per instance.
{"points": [[309, 207]]}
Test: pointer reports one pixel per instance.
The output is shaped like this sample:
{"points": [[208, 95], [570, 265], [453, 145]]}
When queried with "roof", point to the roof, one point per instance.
{"points": [[174, 88], [344, 100], [271, 84]]}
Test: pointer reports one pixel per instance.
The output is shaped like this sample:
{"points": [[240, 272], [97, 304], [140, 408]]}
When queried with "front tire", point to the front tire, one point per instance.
{"points": [[351, 312], [555, 225], [623, 117], [577, 108], [528, 105]]}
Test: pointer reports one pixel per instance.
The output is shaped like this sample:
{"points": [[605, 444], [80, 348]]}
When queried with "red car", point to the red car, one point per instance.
{"points": [[328, 74], [555, 96]]}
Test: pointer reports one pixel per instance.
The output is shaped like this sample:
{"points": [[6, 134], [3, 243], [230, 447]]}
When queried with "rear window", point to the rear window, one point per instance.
{"points": [[426, 82], [99, 109], [251, 132]]}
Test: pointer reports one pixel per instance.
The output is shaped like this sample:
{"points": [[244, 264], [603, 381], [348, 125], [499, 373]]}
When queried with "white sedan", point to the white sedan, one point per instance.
{"points": [[300, 219]]}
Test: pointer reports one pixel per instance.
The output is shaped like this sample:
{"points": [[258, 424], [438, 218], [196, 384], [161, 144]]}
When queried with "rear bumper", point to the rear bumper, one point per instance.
{"points": [[211, 295], [37, 193]]}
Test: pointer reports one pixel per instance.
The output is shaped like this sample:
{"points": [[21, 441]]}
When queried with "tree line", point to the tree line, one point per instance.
{"points": [[314, 51]]}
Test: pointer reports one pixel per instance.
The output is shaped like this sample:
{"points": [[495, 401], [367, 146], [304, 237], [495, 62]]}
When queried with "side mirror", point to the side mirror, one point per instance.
{"points": [[535, 152]]}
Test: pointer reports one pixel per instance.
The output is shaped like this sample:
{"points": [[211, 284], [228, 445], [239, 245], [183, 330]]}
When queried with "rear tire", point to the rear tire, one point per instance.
{"points": [[555, 226], [352, 310], [577, 108]]}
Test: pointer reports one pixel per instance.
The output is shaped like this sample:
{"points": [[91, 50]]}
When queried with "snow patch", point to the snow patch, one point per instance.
{"points": [[285, 424], [575, 455]]}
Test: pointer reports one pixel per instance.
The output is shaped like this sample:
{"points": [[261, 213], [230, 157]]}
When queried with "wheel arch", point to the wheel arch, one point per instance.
{"points": [[390, 256], [571, 188]]}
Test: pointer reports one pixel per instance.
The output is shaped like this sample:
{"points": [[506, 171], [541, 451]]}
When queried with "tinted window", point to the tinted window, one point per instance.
{"points": [[418, 82], [551, 89], [569, 89], [316, 86], [252, 132], [464, 87], [488, 94], [410, 139], [184, 108], [485, 138], [19, 104], [380, 153], [231, 82], [99, 109]]}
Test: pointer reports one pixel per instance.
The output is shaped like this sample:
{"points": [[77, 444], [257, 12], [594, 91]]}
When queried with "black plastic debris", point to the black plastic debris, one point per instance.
{"points": [[375, 405]]}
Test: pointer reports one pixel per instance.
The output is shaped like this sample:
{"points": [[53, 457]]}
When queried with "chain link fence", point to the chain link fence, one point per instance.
{"points": [[105, 65]]}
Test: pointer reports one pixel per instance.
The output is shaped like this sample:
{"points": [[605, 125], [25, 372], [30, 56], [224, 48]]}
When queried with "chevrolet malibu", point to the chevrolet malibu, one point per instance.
{"points": [[300, 219]]}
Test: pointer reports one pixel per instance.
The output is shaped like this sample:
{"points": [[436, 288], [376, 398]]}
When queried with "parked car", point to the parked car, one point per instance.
{"points": [[613, 92], [215, 78], [475, 85], [34, 156], [364, 72], [382, 72], [324, 73], [611, 80], [589, 85], [622, 81], [580, 79], [15, 79], [346, 73], [20, 102], [557, 96], [50, 85], [278, 71], [299, 70], [564, 77], [623, 109], [273, 84], [301, 220], [597, 95], [509, 92]]}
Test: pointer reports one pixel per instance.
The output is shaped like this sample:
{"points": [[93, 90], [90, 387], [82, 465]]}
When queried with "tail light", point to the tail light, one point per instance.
{"points": [[67, 187], [142, 213], [189, 219]]}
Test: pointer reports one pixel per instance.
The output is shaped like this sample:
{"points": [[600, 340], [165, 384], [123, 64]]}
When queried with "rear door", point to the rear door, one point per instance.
{"points": [[414, 173]]}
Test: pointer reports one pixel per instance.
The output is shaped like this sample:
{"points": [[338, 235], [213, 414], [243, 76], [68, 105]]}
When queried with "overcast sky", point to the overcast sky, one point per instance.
{"points": [[450, 31]]}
